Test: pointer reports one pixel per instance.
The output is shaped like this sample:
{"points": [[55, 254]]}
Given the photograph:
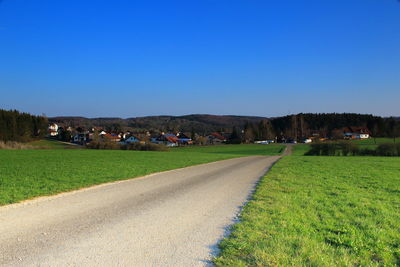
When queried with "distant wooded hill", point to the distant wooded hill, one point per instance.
{"points": [[17, 126], [291, 126], [199, 123]]}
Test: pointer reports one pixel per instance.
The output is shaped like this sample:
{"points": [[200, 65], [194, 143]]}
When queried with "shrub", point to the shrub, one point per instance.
{"points": [[103, 145], [315, 150], [366, 152], [324, 149], [349, 148], [388, 149], [329, 149]]}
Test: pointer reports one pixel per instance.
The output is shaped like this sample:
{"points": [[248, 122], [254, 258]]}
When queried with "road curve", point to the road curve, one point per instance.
{"points": [[173, 218]]}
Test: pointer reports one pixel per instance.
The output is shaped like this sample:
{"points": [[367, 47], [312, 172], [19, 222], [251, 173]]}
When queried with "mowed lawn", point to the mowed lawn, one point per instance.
{"points": [[25, 174], [320, 211]]}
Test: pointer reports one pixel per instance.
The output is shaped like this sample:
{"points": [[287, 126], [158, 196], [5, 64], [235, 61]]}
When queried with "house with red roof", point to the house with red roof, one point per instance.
{"points": [[356, 132], [110, 137], [216, 138], [166, 139]]}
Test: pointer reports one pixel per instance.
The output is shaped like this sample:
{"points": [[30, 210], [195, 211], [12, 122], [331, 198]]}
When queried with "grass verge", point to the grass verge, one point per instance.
{"points": [[25, 174], [320, 211], [52, 144]]}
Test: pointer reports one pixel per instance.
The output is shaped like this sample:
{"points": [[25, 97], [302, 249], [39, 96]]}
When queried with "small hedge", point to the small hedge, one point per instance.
{"points": [[351, 149]]}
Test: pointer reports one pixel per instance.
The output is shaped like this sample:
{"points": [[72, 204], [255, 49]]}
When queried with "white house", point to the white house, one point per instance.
{"points": [[363, 135], [53, 129], [356, 133]]}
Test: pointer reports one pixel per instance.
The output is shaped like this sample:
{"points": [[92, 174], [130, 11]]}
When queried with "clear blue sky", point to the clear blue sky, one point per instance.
{"points": [[135, 58]]}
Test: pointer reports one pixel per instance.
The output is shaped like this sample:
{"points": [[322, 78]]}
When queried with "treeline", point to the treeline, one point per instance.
{"points": [[258, 131], [21, 127], [329, 125], [301, 126], [201, 124]]}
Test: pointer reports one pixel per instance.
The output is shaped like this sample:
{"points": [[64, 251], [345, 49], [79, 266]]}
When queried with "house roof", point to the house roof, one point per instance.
{"points": [[218, 136], [111, 136], [171, 139], [182, 135], [356, 130], [168, 137]]}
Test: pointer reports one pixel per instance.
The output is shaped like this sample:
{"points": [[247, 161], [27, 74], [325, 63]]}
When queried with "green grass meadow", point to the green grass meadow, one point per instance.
{"points": [[25, 174], [320, 211]]}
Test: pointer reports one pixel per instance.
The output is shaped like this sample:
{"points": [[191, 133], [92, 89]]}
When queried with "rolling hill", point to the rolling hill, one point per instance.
{"points": [[200, 123]]}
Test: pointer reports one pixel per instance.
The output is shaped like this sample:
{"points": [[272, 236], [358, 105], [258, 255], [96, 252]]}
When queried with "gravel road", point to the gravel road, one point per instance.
{"points": [[174, 218]]}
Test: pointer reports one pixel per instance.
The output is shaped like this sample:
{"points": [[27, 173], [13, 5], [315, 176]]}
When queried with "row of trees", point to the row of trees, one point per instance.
{"points": [[258, 131], [21, 127], [327, 125], [301, 126]]}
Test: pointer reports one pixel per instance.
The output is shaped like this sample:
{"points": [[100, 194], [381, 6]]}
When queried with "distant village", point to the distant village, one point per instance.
{"points": [[82, 136]]}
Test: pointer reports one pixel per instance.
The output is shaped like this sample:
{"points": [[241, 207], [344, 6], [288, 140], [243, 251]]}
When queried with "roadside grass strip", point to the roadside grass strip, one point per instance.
{"points": [[320, 211]]}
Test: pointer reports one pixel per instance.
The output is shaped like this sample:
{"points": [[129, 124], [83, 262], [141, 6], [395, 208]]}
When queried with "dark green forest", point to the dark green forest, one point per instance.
{"points": [[330, 124], [21, 127], [327, 125]]}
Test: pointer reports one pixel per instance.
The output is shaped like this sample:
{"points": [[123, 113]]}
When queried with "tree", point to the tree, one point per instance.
{"points": [[265, 130], [21, 127], [193, 134], [201, 140], [392, 128], [249, 133], [64, 135], [235, 137]]}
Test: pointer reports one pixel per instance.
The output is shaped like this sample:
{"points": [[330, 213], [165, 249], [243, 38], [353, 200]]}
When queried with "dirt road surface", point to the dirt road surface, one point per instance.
{"points": [[175, 218]]}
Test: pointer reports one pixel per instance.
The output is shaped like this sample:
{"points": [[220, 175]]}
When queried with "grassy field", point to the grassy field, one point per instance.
{"points": [[26, 174], [300, 149], [320, 211]]}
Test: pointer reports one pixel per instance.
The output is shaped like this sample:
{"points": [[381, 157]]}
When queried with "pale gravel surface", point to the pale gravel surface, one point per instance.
{"points": [[174, 218]]}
